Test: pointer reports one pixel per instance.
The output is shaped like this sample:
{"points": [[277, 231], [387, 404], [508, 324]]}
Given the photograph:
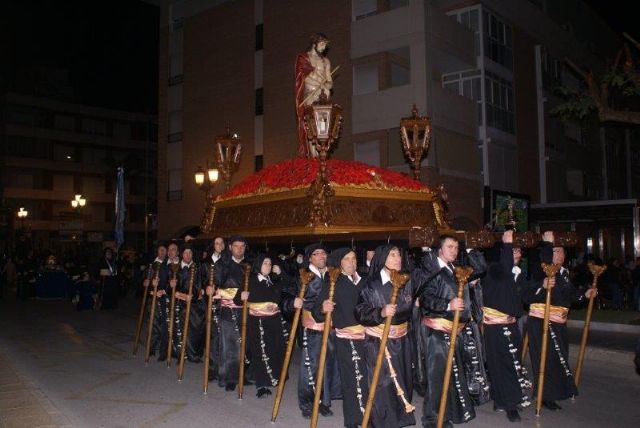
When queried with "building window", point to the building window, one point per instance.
{"points": [[470, 18], [259, 37], [499, 103], [498, 43], [259, 107], [27, 147], [381, 71], [64, 122], [122, 130], [175, 122], [93, 126], [64, 153], [551, 70], [175, 69], [367, 152], [176, 137], [365, 78], [399, 65], [362, 9], [174, 192], [176, 47], [259, 160], [467, 84], [22, 115], [63, 183], [94, 156]]}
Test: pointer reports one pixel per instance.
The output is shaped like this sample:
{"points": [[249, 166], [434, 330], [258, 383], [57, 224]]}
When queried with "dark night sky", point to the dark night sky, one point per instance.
{"points": [[618, 14], [108, 47]]}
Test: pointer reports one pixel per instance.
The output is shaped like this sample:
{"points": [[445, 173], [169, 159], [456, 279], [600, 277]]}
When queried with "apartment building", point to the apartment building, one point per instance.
{"points": [[484, 71], [52, 150]]}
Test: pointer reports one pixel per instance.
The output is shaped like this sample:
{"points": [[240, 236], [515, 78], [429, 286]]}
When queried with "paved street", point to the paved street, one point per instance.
{"points": [[60, 368]]}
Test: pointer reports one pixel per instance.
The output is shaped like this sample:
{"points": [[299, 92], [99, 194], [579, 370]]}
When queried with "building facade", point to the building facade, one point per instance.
{"points": [[53, 150], [484, 71]]}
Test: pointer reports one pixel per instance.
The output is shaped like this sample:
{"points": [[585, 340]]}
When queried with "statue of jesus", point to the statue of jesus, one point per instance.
{"points": [[313, 78]]}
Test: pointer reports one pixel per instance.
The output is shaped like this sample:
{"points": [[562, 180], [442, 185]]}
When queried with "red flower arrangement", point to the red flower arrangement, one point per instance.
{"points": [[296, 173]]}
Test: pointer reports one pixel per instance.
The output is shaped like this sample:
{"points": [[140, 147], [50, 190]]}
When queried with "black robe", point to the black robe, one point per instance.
{"points": [[214, 351], [160, 330], [434, 299], [108, 285], [503, 342], [474, 357], [195, 319], [311, 342], [266, 335], [230, 280], [388, 408], [559, 383], [349, 352]]}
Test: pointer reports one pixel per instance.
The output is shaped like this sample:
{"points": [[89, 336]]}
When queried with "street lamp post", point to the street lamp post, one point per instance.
{"points": [[78, 202], [206, 180], [227, 158], [22, 215]]}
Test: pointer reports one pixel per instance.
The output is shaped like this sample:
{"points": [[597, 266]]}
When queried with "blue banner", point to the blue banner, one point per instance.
{"points": [[121, 210]]}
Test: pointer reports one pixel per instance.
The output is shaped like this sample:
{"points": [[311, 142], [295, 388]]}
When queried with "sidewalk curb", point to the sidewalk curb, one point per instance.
{"points": [[606, 326]]}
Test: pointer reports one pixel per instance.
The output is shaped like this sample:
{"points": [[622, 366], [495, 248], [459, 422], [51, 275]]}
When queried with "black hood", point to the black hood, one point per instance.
{"points": [[337, 255]]}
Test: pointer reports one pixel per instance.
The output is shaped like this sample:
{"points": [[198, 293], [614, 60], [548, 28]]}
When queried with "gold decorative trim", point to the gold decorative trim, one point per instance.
{"points": [[316, 231], [340, 191]]}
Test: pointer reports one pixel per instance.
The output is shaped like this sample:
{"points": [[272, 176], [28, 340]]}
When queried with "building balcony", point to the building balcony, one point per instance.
{"points": [[65, 195], [76, 137]]}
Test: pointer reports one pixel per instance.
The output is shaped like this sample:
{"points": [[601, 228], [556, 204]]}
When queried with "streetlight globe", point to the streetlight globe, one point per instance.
{"points": [[199, 176], [77, 197], [213, 174], [82, 202], [74, 203]]}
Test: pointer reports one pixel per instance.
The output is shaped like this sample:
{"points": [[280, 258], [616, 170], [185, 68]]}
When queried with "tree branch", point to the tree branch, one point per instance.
{"points": [[576, 69], [630, 67], [599, 93], [608, 115], [632, 40]]}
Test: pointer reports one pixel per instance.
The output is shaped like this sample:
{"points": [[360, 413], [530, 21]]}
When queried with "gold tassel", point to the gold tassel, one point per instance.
{"points": [[408, 407]]}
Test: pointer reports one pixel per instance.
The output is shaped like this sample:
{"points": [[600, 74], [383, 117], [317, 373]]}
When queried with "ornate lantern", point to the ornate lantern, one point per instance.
{"points": [[228, 151], [415, 132], [323, 122]]}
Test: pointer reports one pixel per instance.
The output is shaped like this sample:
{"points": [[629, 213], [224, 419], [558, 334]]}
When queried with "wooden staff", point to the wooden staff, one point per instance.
{"points": [[525, 345], [333, 277], [185, 334], [462, 276], [305, 278], [172, 313], [397, 281], [596, 271], [136, 340], [243, 332], [152, 311], [550, 271], [207, 338]]}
